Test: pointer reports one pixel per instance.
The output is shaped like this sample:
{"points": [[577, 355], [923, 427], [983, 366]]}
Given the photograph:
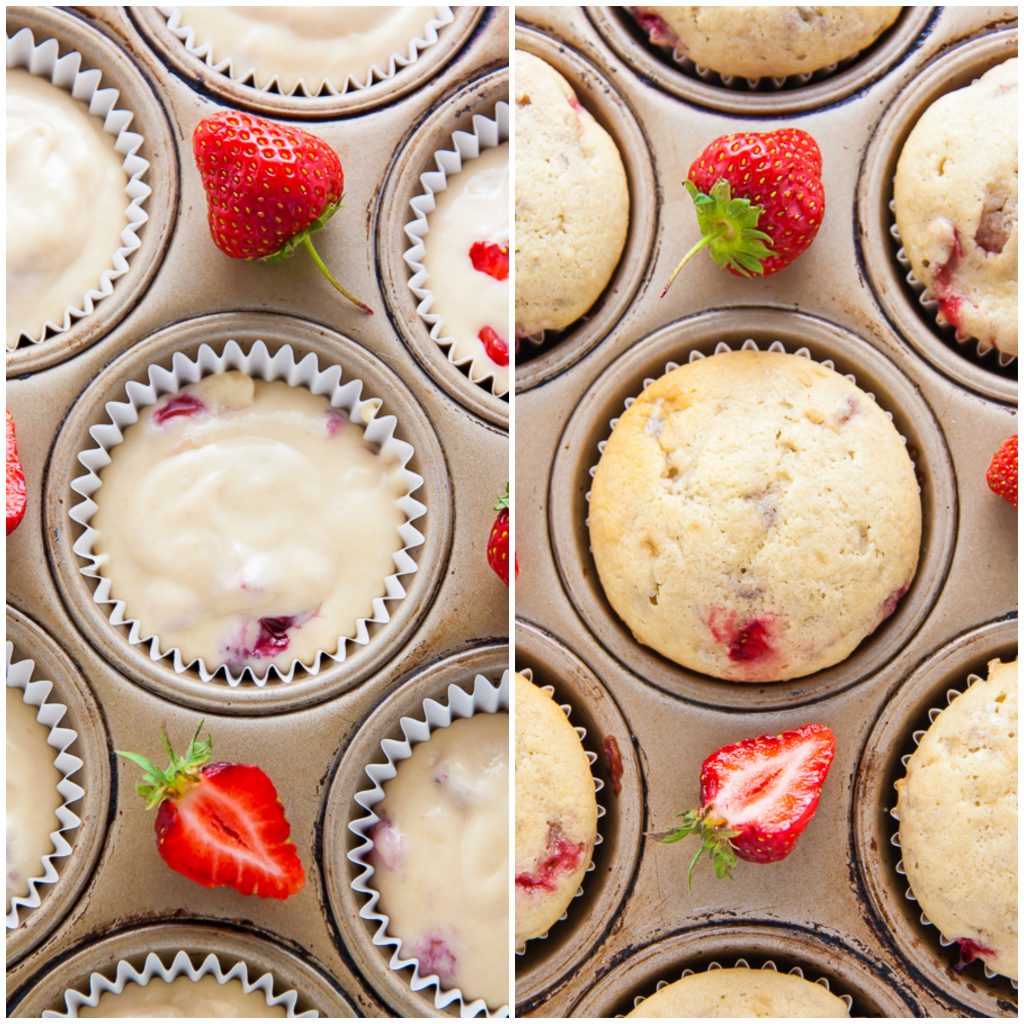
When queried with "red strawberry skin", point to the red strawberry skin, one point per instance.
{"points": [[229, 828], [15, 479], [497, 546], [779, 171], [767, 789], [1002, 472], [265, 182]]}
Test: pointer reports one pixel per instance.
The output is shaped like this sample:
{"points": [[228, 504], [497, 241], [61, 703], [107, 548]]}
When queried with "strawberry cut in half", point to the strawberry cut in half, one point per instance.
{"points": [[759, 198], [268, 187], [220, 824], [757, 796], [15, 498]]}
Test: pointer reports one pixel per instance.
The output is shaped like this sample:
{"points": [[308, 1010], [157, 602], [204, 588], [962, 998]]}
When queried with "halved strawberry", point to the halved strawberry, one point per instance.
{"points": [[757, 796], [220, 824], [14, 494]]}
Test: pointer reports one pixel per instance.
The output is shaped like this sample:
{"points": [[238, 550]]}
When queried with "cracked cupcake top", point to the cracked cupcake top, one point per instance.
{"points": [[755, 516]]}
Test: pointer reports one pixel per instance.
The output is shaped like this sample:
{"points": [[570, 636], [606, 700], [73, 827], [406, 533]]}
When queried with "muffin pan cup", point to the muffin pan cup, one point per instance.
{"points": [[169, 950], [424, 61], [81, 61], [475, 681], [116, 883], [905, 301], [814, 909]]}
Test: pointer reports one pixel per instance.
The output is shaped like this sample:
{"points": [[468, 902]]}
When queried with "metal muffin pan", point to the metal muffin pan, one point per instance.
{"points": [[119, 894], [833, 907]]}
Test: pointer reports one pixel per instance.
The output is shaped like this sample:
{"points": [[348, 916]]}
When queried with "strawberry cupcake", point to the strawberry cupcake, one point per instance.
{"points": [[764, 42], [556, 811], [183, 997], [738, 992], [957, 813], [754, 516], [955, 200], [571, 202]]}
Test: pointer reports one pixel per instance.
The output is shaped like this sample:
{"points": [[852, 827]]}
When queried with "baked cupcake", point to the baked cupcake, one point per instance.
{"points": [[466, 263], [572, 201], [742, 992], [764, 42], [183, 997], [957, 809], [754, 516], [955, 199], [440, 857], [66, 204], [309, 49], [247, 524], [556, 811], [32, 795]]}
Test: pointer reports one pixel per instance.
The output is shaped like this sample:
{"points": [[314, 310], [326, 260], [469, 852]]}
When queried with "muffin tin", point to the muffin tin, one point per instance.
{"points": [[114, 898], [835, 908]]}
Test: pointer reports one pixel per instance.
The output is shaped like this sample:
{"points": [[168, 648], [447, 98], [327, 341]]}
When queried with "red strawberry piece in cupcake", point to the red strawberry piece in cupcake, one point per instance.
{"points": [[490, 259], [561, 857], [750, 640], [495, 346], [178, 407]]}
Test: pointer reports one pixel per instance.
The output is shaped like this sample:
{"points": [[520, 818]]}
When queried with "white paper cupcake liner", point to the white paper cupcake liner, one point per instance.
{"points": [[894, 839], [66, 72], [247, 76], [748, 346], [180, 966], [36, 692], [485, 698], [768, 965], [931, 305], [487, 133], [601, 811], [260, 363]]}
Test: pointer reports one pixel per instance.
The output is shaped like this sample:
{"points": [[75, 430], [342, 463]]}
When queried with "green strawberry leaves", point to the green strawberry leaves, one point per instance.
{"points": [[715, 841], [156, 785]]}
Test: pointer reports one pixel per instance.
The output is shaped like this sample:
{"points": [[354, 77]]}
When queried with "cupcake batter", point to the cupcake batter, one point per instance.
{"points": [[32, 797], [247, 523], [66, 203], [466, 274], [307, 45], [441, 856], [184, 998]]}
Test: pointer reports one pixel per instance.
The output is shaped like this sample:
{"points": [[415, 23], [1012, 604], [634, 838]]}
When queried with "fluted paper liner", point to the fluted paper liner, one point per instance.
{"points": [[768, 965], [259, 362], [894, 839], [180, 966], [485, 698], [581, 732], [67, 73], [247, 76], [487, 133], [50, 713]]}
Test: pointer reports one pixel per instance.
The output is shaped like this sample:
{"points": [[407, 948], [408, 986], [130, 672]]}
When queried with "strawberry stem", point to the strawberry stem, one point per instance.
{"points": [[311, 249], [682, 263], [179, 774], [715, 841]]}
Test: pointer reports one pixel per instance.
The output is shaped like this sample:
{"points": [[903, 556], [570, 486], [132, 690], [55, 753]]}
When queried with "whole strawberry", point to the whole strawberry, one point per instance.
{"points": [[759, 199], [1002, 472], [15, 499], [268, 186], [220, 824], [757, 796], [497, 543]]}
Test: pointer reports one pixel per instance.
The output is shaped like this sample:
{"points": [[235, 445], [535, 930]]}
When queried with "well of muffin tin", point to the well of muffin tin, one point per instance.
{"points": [[150, 121], [764, 97], [870, 983], [577, 454], [92, 746], [347, 777], [330, 349], [536, 363], [605, 888], [414, 157], [952, 69], [896, 918], [430, 63], [291, 968]]}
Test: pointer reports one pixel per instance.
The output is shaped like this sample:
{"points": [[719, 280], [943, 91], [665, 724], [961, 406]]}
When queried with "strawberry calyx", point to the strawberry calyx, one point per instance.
{"points": [[179, 776], [503, 502], [715, 840], [729, 230], [304, 240]]}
